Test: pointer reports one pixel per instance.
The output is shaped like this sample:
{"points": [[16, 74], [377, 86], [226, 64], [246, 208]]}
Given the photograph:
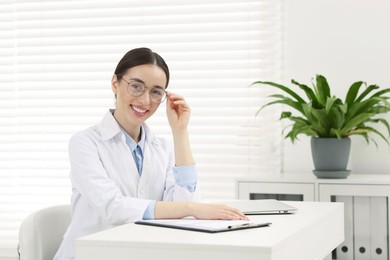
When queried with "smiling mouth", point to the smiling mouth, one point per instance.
{"points": [[138, 110]]}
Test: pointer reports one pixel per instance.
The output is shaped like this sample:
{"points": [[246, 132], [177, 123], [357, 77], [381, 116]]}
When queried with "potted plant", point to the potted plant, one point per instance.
{"points": [[330, 121]]}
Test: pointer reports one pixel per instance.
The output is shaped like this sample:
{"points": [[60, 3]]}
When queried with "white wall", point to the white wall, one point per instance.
{"points": [[346, 41]]}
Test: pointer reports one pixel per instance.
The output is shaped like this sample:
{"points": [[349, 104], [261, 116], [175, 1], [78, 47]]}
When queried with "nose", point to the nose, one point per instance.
{"points": [[145, 98]]}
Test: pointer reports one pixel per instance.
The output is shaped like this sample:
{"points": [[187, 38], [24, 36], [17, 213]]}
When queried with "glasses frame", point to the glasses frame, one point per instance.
{"points": [[143, 92]]}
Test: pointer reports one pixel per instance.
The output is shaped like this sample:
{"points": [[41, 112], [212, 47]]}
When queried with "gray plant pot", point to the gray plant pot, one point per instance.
{"points": [[330, 157]]}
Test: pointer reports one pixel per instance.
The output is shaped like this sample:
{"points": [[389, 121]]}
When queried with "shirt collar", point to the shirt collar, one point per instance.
{"points": [[130, 141]]}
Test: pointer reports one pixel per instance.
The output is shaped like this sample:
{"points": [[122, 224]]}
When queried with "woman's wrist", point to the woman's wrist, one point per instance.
{"points": [[174, 209], [183, 153], [180, 131], [190, 206]]}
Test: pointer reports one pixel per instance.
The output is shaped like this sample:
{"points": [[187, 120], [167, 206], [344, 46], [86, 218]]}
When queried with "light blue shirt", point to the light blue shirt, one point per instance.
{"points": [[185, 176], [133, 146]]}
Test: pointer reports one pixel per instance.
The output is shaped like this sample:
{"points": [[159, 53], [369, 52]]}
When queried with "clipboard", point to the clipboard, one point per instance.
{"points": [[208, 226]]}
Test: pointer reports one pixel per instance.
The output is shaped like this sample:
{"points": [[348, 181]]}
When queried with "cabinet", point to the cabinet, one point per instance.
{"points": [[366, 206]]}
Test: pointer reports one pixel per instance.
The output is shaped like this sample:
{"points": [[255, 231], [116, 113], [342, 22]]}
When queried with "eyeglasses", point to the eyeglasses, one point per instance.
{"points": [[137, 89]]}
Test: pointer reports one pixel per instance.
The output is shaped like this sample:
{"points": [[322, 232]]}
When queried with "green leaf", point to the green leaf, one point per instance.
{"points": [[353, 122], [322, 119], [362, 107], [352, 92], [379, 109], [297, 120], [366, 92], [283, 88], [297, 130], [329, 103], [371, 129], [381, 92], [383, 121], [336, 133], [286, 101], [309, 93], [285, 114], [336, 116], [323, 90]]}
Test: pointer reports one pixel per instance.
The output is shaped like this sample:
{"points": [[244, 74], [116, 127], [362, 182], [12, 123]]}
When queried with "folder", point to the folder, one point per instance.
{"points": [[362, 230], [345, 250], [379, 228], [208, 226]]}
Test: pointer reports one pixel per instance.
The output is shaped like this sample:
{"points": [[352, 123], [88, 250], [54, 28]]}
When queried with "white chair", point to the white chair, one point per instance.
{"points": [[41, 233]]}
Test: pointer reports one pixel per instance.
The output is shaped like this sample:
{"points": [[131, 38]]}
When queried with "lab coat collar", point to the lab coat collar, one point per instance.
{"points": [[109, 128]]}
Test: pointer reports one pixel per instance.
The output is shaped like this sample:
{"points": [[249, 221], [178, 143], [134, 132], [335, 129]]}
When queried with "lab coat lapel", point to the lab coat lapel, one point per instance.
{"points": [[130, 171], [147, 161], [152, 181]]}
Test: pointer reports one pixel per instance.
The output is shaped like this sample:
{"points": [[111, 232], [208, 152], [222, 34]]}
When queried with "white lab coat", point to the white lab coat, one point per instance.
{"points": [[106, 187]]}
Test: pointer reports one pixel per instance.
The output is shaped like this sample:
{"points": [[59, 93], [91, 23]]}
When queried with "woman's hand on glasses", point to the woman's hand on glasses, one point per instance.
{"points": [[178, 112]]}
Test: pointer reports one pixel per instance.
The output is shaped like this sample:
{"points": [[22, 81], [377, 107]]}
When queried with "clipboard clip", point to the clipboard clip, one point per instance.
{"points": [[242, 226]]}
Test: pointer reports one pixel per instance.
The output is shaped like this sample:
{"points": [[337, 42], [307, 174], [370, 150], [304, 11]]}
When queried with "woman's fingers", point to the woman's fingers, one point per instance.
{"points": [[218, 211], [176, 101], [178, 111], [235, 214]]}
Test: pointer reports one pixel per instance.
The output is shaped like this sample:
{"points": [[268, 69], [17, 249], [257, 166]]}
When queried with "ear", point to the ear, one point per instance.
{"points": [[114, 84]]}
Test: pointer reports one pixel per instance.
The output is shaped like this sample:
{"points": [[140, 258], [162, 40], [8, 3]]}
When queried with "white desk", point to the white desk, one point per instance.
{"points": [[311, 233]]}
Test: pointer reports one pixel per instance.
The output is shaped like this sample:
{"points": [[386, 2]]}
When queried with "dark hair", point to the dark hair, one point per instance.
{"points": [[140, 56]]}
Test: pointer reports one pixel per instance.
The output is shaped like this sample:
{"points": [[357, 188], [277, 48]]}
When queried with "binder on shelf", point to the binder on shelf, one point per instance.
{"points": [[345, 250], [362, 230], [379, 228]]}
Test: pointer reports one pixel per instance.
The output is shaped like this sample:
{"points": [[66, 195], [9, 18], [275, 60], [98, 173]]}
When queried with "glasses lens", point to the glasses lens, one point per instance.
{"points": [[136, 89], [157, 95]]}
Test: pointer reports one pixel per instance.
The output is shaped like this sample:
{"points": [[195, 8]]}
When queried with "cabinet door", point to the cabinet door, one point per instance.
{"points": [[366, 212], [326, 191], [282, 190]]}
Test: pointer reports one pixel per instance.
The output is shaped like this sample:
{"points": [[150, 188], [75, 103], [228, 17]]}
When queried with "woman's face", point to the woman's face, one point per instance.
{"points": [[132, 111]]}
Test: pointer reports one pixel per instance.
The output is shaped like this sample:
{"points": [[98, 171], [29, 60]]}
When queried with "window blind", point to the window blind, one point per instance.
{"points": [[56, 62]]}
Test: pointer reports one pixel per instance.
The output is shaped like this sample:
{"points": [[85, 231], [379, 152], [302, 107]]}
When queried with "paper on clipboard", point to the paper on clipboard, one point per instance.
{"points": [[209, 226]]}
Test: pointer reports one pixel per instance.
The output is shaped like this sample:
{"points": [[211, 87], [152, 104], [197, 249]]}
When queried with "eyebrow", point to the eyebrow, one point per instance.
{"points": [[141, 81]]}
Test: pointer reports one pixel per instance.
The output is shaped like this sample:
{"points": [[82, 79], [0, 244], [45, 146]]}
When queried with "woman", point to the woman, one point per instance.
{"points": [[121, 172]]}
